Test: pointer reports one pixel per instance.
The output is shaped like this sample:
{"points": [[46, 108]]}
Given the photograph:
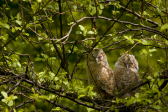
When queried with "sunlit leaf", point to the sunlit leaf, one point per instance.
{"points": [[130, 101], [79, 96], [163, 27], [71, 23], [81, 27], [92, 10], [57, 109], [43, 97], [90, 32], [5, 95], [51, 96], [75, 7], [78, 32], [39, 0], [90, 109], [10, 103], [14, 97], [152, 50], [156, 107], [101, 6]]}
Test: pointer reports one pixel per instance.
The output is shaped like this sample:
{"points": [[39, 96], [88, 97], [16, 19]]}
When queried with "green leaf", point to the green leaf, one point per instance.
{"points": [[10, 103], [92, 10], [115, 12], [130, 101], [56, 78], [112, 107], [117, 100], [116, 110], [156, 74], [4, 100], [137, 95], [90, 109], [145, 14], [14, 110], [90, 92], [156, 107], [79, 96], [19, 22], [78, 32], [33, 90], [50, 7], [39, 0], [160, 81], [63, 73], [82, 91], [129, 39], [57, 109], [4, 94], [38, 59], [81, 27], [13, 30], [66, 82], [149, 77], [4, 25], [143, 51], [157, 11], [71, 23], [14, 97], [90, 32], [163, 27], [27, 34], [34, 96], [101, 6], [51, 74], [51, 96], [145, 42], [100, 11], [129, 26], [18, 28], [155, 89], [43, 97], [75, 7], [57, 87], [148, 100], [152, 50]]}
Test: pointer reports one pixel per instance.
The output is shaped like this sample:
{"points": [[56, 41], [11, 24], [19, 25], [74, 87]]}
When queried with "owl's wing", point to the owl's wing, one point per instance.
{"points": [[136, 79], [118, 72], [106, 81]]}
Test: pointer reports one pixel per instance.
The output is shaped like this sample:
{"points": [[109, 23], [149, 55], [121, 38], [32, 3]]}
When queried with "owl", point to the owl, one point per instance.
{"points": [[126, 73], [100, 74]]}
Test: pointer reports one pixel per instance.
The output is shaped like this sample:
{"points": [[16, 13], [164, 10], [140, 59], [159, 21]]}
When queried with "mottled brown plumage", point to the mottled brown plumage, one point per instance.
{"points": [[126, 73], [100, 74]]}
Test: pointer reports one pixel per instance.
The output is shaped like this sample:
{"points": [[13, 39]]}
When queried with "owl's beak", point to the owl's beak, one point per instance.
{"points": [[127, 65]]}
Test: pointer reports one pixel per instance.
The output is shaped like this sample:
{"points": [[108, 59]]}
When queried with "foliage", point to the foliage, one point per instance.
{"points": [[44, 44]]}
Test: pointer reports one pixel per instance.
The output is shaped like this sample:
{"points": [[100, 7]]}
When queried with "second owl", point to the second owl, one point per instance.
{"points": [[126, 73]]}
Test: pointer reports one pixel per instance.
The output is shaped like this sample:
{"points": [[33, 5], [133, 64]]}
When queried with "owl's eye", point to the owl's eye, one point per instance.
{"points": [[127, 65], [92, 57]]}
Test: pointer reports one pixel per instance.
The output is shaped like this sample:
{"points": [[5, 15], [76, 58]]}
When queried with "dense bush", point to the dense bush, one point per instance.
{"points": [[44, 46]]}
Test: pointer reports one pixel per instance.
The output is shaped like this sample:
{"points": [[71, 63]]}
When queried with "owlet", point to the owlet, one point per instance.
{"points": [[126, 73], [100, 74]]}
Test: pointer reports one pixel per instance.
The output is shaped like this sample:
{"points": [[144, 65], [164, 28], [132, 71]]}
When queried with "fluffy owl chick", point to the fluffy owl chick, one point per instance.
{"points": [[100, 74], [126, 73]]}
